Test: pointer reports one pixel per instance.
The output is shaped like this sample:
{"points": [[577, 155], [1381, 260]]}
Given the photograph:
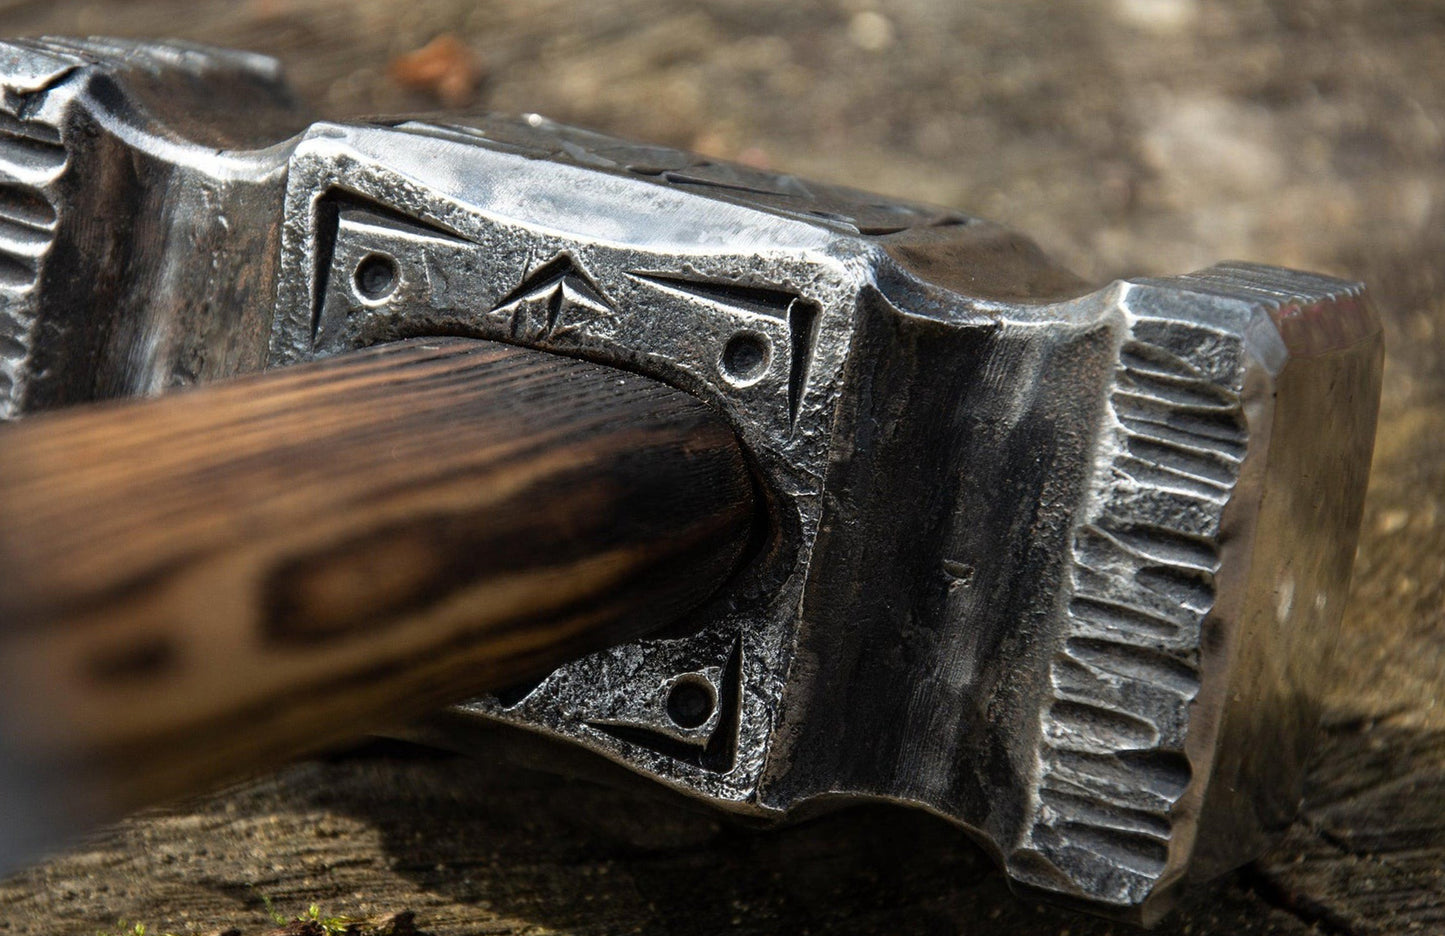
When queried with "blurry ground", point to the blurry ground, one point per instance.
{"points": [[1128, 136]]}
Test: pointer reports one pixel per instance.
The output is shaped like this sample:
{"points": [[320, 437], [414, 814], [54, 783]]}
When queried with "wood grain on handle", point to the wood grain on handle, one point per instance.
{"points": [[197, 586]]}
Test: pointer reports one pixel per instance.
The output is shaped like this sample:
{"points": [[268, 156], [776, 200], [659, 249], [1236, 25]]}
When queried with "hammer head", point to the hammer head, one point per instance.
{"points": [[1061, 564]]}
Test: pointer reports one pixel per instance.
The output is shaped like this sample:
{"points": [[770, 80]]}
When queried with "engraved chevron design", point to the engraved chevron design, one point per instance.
{"points": [[555, 299], [1144, 559]]}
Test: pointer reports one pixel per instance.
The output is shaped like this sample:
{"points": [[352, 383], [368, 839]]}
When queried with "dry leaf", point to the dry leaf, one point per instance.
{"points": [[445, 67]]}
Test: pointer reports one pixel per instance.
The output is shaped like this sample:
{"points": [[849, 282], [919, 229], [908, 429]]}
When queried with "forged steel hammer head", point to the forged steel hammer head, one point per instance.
{"points": [[1059, 563]]}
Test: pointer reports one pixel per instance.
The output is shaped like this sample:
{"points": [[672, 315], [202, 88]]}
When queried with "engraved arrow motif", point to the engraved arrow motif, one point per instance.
{"points": [[554, 300]]}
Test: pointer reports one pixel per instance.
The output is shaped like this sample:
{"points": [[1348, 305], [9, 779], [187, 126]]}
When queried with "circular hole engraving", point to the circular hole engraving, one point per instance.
{"points": [[745, 357], [690, 702], [375, 277]]}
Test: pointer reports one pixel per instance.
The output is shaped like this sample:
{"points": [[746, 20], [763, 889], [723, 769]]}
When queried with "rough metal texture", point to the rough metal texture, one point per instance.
{"points": [[121, 270], [1051, 562]]}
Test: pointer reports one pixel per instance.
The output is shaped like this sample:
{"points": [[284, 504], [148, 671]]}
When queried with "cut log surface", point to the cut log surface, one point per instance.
{"points": [[1128, 136]]}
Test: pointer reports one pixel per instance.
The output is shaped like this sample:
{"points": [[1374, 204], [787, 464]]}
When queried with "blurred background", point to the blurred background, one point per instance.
{"points": [[1126, 136]]}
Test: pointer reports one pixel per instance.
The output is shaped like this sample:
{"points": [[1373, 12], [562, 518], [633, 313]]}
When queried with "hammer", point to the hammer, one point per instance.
{"points": [[921, 516]]}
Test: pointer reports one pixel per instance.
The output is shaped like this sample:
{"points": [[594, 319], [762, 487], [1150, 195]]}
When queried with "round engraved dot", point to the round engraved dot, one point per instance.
{"points": [[375, 277], [745, 357], [690, 702]]}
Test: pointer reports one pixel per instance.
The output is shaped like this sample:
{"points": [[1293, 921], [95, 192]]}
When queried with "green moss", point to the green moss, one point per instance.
{"points": [[311, 923], [128, 929], [332, 926]]}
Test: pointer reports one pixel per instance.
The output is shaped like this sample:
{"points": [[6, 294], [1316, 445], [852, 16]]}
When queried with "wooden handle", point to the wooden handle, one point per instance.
{"points": [[197, 586]]}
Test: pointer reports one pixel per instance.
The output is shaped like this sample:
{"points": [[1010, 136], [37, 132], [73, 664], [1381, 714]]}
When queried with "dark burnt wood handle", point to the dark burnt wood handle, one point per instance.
{"points": [[199, 585]]}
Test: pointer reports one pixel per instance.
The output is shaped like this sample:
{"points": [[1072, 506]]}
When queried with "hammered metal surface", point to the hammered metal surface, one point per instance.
{"points": [[1052, 561]]}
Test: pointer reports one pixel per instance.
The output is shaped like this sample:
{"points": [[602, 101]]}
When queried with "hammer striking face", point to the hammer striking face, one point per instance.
{"points": [[1059, 563]]}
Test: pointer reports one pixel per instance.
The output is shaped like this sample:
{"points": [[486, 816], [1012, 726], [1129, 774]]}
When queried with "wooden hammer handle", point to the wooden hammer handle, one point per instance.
{"points": [[196, 586]]}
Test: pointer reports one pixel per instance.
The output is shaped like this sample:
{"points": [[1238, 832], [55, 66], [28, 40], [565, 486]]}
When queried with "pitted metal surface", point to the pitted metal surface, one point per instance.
{"points": [[1052, 561]]}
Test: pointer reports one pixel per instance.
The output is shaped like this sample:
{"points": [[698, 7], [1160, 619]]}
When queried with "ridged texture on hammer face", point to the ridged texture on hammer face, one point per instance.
{"points": [[1195, 527], [32, 160], [1113, 761], [1081, 582], [119, 162]]}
